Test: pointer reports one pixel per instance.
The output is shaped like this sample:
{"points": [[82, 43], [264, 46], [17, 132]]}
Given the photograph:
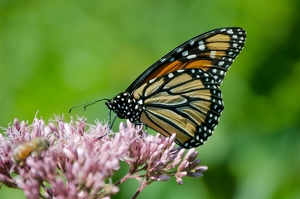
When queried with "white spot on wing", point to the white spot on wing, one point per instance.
{"points": [[192, 42], [201, 45], [221, 63], [152, 80], [185, 53], [191, 56], [178, 50], [230, 31], [212, 54], [170, 75]]}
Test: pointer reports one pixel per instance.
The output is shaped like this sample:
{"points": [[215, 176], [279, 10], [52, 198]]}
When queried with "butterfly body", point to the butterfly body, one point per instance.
{"points": [[180, 93], [125, 106]]}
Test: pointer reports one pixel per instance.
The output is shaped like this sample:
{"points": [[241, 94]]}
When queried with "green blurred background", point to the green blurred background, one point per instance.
{"points": [[56, 54]]}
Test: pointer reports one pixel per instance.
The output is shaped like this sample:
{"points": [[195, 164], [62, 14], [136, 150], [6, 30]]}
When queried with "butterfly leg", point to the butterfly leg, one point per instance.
{"points": [[110, 124]]}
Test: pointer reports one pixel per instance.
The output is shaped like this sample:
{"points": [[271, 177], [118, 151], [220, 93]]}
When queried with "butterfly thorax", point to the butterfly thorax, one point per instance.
{"points": [[126, 107]]}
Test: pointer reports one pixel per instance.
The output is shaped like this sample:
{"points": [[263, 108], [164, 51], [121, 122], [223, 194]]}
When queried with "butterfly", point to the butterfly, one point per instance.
{"points": [[180, 93]]}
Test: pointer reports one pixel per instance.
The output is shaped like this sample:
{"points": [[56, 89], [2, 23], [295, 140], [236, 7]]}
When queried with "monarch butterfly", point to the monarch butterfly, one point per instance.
{"points": [[35, 147], [180, 93]]}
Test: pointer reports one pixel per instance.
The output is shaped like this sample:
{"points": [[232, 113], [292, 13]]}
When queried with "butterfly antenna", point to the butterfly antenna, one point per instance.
{"points": [[87, 104]]}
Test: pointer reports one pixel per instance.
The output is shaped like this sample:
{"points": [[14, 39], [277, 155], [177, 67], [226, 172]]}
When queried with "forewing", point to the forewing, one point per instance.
{"points": [[213, 52]]}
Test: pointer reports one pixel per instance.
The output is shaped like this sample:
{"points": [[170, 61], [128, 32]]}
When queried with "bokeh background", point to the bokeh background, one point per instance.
{"points": [[56, 54]]}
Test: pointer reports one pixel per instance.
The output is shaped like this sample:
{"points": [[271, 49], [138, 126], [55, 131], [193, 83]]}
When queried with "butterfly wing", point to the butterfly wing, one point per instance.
{"points": [[187, 102], [213, 52]]}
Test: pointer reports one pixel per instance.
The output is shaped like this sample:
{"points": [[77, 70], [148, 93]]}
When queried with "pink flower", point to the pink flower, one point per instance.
{"points": [[77, 160]]}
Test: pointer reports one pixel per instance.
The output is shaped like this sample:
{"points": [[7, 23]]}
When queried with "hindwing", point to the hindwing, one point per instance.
{"points": [[186, 102]]}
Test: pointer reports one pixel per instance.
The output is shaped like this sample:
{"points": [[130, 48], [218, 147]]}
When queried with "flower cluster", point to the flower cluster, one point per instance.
{"points": [[77, 160]]}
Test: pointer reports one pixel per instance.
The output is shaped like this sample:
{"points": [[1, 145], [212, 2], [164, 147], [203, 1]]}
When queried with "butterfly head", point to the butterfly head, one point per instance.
{"points": [[125, 106]]}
